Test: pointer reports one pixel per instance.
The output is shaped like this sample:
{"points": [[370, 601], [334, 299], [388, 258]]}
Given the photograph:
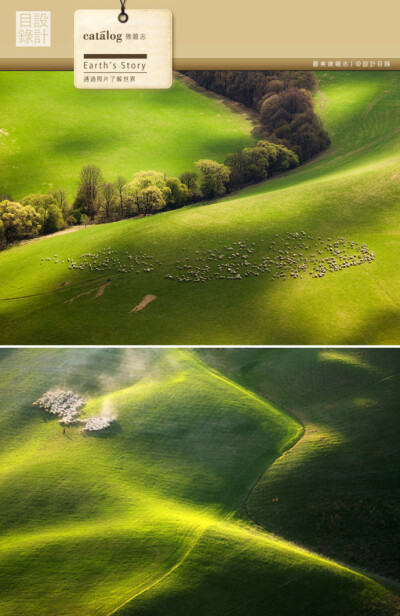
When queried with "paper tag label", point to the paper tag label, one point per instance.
{"points": [[132, 55]]}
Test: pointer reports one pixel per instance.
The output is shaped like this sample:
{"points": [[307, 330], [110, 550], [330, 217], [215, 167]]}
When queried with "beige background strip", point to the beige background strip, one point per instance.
{"points": [[227, 29], [67, 64]]}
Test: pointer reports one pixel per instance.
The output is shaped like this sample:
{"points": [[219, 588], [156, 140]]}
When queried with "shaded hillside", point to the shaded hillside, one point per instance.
{"points": [[138, 518]]}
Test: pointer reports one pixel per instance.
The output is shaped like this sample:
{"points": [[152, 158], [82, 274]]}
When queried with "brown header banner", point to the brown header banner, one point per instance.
{"points": [[216, 34], [252, 64]]}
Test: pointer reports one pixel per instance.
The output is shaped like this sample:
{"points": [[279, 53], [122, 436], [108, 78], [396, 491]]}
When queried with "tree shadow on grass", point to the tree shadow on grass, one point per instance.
{"points": [[81, 143], [381, 328]]}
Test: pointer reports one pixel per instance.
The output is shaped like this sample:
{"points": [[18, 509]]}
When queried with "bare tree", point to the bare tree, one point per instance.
{"points": [[120, 184], [90, 182], [108, 192]]}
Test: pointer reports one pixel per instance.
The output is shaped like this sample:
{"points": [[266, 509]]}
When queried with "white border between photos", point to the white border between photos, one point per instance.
{"points": [[199, 346]]}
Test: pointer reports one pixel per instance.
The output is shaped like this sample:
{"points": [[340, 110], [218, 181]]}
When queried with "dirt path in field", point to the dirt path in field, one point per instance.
{"points": [[100, 291], [145, 301], [43, 237]]}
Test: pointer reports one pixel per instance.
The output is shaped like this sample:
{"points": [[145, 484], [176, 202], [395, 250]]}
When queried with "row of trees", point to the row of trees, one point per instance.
{"points": [[251, 87], [283, 100], [148, 192]]}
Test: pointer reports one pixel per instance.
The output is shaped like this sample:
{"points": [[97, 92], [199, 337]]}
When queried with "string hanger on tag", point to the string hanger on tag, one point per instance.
{"points": [[123, 17]]}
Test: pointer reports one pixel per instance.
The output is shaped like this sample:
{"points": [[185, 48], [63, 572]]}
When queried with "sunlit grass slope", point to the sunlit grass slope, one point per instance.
{"points": [[351, 191], [49, 131], [139, 519], [341, 479]]}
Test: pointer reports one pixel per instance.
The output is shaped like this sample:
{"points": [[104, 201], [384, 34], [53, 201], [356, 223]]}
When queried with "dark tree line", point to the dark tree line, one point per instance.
{"points": [[283, 100]]}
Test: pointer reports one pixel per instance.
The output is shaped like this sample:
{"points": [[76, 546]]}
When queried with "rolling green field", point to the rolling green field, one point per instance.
{"points": [[341, 479], [351, 191], [49, 131], [143, 517]]}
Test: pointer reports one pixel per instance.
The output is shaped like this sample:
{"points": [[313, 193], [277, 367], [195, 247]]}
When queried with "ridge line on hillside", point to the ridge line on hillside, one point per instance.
{"points": [[385, 291], [216, 374], [246, 390], [266, 401], [384, 580], [162, 577], [356, 391], [387, 582]]}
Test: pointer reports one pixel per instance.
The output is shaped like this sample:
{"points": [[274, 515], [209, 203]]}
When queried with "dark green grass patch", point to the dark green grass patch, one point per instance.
{"points": [[49, 131]]}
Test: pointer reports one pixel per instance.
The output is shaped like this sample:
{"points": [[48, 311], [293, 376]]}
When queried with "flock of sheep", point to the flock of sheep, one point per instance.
{"points": [[106, 261], [66, 405], [292, 255]]}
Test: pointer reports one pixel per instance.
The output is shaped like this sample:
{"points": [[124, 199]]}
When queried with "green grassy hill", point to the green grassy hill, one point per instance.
{"points": [[139, 519], [341, 479], [352, 192], [49, 131]]}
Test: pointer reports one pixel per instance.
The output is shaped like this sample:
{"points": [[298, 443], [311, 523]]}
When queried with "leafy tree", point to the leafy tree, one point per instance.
{"points": [[151, 199], [179, 192], [252, 164], [275, 85], [19, 221], [281, 108], [189, 178], [77, 215], [143, 179], [61, 199], [40, 201], [89, 186], [48, 208], [255, 164], [302, 79], [280, 157], [53, 220], [308, 133], [173, 192], [3, 239], [214, 177]]}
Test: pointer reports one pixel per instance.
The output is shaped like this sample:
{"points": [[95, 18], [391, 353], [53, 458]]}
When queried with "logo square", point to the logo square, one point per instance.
{"points": [[33, 28]]}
